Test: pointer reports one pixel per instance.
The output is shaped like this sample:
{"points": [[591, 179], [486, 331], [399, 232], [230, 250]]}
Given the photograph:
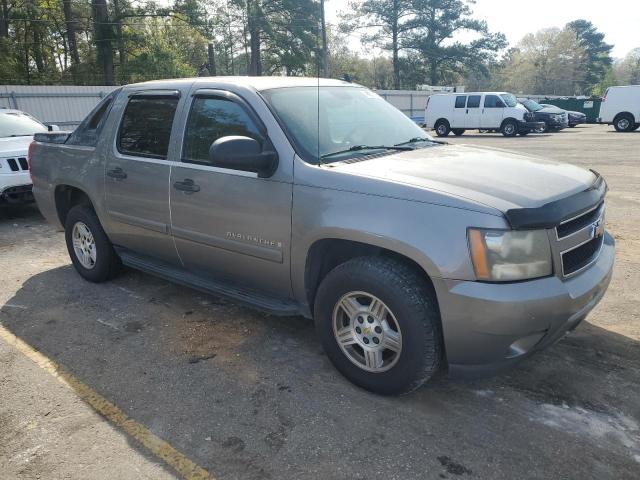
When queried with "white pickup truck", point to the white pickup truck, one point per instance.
{"points": [[16, 133]]}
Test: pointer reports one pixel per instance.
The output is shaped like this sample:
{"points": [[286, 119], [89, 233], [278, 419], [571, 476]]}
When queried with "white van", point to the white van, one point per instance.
{"points": [[621, 108], [457, 112]]}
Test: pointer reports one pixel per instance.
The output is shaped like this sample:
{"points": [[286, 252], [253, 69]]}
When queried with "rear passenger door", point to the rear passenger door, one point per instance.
{"points": [[137, 173], [229, 224], [474, 113]]}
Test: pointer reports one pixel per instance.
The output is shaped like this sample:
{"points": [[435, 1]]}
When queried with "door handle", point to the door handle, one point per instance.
{"points": [[117, 173], [187, 186]]}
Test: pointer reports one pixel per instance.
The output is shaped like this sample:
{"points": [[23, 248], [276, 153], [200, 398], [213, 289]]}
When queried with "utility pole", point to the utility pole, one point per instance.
{"points": [[212, 60], [325, 49]]}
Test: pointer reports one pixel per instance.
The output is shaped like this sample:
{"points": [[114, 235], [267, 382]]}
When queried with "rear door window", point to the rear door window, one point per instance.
{"points": [[474, 101], [461, 101], [146, 125]]}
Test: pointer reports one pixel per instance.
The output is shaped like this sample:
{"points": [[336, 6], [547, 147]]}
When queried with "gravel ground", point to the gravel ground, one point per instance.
{"points": [[250, 396]]}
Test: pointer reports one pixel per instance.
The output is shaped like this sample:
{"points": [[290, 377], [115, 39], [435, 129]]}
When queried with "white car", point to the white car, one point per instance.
{"points": [[16, 133], [621, 108], [458, 112]]}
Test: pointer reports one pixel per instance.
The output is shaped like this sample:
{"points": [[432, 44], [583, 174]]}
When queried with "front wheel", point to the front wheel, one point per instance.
{"points": [[509, 128], [378, 322], [91, 252]]}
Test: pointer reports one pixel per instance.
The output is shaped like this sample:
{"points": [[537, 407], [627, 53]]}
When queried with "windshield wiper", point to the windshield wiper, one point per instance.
{"points": [[359, 148], [415, 140]]}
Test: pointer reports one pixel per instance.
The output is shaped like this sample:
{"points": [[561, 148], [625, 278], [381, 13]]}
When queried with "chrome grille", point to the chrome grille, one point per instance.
{"points": [[580, 239]]}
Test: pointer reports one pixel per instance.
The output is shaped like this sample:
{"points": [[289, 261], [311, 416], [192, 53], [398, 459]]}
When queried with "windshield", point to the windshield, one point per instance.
{"points": [[16, 124], [532, 106], [509, 99], [338, 123]]}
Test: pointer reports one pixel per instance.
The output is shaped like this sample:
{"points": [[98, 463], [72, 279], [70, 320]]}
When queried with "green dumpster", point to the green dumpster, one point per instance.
{"points": [[589, 106]]}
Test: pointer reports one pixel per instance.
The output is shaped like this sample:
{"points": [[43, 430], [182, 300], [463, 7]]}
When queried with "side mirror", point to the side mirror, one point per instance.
{"points": [[243, 153]]}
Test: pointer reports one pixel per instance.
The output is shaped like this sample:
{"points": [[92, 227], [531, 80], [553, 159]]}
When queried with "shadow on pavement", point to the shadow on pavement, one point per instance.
{"points": [[246, 395]]}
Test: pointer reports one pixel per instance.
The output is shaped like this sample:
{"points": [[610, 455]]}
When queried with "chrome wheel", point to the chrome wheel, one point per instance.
{"points": [[624, 124], [509, 129], [367, 332], [442, 129], [84, 245]]}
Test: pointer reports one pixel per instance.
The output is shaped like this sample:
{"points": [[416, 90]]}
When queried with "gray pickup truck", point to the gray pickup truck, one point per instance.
{"points": [[317, 198]]}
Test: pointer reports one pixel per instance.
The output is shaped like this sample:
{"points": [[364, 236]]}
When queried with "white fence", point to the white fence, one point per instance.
{"points": [[61, 105], [411, 102]]}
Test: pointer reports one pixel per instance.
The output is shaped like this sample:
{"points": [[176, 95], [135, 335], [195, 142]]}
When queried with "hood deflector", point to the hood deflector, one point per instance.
{"points": [[553, 213]]}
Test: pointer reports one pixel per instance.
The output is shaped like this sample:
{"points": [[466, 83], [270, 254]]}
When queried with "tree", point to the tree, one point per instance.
{"points": [[550, 61], [389, 20], [598, 52], [436, 23], [628, 69]]}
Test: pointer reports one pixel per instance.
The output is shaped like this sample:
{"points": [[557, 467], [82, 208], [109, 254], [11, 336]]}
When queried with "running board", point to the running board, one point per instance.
{"points": [[251, 298]]}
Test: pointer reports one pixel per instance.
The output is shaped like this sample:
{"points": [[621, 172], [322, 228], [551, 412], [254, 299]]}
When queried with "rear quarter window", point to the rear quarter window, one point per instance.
{"points": [[89, 130]]}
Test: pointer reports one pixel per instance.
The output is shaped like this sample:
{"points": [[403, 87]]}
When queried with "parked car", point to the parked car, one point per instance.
{"points": [[411, 255], [16, 133], [621, 108], [553, 118], [457, 113], [575, 118]]}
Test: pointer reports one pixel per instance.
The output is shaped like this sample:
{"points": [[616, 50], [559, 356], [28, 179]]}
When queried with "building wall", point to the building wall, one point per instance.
{"points": [[65, 106]]}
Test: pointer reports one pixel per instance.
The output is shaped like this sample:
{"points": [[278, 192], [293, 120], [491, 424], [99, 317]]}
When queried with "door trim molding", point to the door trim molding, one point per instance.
{"points": [[140, 222]]}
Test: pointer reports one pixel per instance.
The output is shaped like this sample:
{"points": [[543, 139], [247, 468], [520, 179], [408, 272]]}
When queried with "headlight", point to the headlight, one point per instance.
{"points": [[509, 255]]}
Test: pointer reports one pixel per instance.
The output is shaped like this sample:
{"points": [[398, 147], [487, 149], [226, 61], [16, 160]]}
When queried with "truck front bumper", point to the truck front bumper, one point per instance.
{"points": [[14, 186], [488, 327], [527, 127]]}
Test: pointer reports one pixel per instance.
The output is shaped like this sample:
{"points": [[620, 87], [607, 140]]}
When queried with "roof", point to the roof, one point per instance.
{"points": [[471, 93], [258, 83]]}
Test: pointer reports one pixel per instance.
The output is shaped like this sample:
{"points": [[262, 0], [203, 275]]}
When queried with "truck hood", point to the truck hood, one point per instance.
{"points": [[10, 146], [489, 177]]}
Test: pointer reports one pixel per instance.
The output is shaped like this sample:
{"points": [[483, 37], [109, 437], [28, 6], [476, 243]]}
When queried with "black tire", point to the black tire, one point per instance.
{"points": [[509, 128], [442, 128], [413, 303], [458, 131], [624, 122], [572, 126], [107, 263], [636, 126], [524, 133]]}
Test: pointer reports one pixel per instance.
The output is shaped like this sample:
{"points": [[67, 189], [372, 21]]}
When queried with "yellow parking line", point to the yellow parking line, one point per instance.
{"points": [[158, 447]]}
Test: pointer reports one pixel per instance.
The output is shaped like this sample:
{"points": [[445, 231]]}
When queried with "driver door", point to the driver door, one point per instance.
{"points": [[229, 224]]}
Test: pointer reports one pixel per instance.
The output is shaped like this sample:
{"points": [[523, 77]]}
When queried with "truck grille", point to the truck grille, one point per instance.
{"points": [[16, 164], [580, 240]]}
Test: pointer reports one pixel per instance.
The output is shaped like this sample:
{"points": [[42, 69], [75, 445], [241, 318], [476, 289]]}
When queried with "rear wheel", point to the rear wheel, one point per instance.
{"points": [[458, 131], [91, 252], [509, 128], [379, 324], [442, 128], [624, 122]]}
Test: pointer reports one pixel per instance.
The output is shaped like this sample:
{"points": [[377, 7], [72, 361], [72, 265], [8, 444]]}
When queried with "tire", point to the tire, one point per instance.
{"points": [[572, 126], [458, 131], [636, 126], [100, 262], [624, 122], [509, 128], [411, 309], [442, 128], [524, 134]]}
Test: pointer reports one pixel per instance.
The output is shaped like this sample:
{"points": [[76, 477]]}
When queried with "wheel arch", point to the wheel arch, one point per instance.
{"points": [[620, 114], [325, 254], [68, 196]]}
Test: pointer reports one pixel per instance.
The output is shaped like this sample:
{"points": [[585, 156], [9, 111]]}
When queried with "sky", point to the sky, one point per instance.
{"points": [[619, 20]]}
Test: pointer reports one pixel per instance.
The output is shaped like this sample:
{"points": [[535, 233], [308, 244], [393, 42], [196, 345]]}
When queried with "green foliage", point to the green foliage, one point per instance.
{"points": [[598, 53]]}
